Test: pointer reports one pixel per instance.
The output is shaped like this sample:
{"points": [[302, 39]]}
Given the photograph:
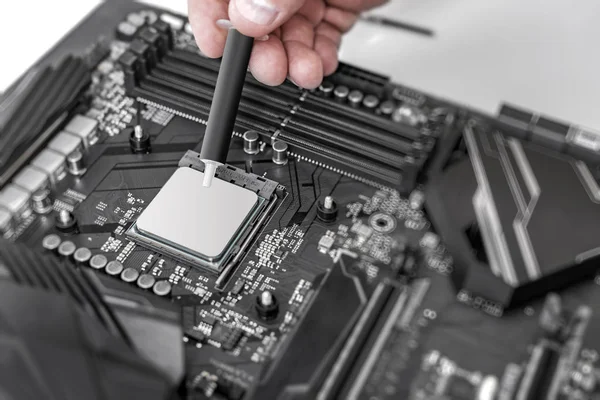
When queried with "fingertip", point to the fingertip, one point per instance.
{"points": [[260, 17], [327, 49], [268, 61], [209, 37], [304, 64]]}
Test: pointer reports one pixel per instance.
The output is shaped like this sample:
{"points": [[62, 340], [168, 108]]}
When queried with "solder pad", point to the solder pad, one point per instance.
{"points": [[201, 225]]}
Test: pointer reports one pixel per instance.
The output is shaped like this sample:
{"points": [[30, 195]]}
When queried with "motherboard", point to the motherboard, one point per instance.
{"points": [[365, 240]]}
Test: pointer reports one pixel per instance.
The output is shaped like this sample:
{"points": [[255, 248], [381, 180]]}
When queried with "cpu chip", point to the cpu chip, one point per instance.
{"points": [[197, 224]]}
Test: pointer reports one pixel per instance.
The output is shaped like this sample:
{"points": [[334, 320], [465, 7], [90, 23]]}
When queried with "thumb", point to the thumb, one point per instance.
{"points": [[260, 17]]}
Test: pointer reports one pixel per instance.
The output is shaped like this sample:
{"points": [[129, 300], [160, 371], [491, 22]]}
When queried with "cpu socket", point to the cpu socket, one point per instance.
{"points": [[205, 227]]}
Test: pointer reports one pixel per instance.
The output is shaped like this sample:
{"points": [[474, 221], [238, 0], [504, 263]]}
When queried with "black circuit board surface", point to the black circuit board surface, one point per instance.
{"points": [[443, 338]]}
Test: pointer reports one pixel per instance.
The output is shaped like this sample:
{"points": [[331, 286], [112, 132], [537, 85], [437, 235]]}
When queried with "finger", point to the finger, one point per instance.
{"points": [[355, 5], [341, 19], [260, 17], [327, 49], [268, 62], [305, 67], [202, 15], [329, 31], [313, 10], [298, 29]]}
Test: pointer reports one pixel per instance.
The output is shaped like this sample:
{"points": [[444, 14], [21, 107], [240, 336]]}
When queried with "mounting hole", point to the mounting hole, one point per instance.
{"points": [[383, 223]]}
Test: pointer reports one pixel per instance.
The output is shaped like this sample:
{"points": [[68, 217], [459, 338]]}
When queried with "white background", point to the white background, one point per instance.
{"points": [[540, 54]]}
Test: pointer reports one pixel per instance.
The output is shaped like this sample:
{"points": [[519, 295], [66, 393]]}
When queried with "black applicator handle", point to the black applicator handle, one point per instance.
{"points": [[226, 99]]}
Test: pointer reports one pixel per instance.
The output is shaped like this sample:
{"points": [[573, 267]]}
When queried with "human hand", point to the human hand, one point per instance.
{"points": [[303, 35]]}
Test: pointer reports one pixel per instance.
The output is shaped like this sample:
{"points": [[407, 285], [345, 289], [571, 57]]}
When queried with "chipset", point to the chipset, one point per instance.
{"points": [[205, 227]]}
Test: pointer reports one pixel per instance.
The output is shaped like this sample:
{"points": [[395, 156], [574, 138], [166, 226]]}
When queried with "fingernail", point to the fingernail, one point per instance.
{"points": [[263, 38], [261, 12], [291, 80], [224, 23]]}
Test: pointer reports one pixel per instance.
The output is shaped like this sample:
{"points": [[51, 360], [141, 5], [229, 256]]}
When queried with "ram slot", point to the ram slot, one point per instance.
{"points": [[179, 95], [213, 65], [347, 162], [336, 112], [349, 144], [166, 99], [273, 99], [200, 93], [356, 130]]}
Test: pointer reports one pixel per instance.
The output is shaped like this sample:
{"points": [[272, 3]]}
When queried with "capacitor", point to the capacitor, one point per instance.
{"points": [[126, 31], [162, 288], [370, 101], [136, 19], [355, 98], [146, 281], [66, 222], [280, 153], [488, 388], [327, 209], [387, 107], [41, 201], [129, 275], [82, 255], [251, 142], [149, 16], [98, 261], [51, 242], [341, 93], [267, 306], [416, 199], [139, 140], [66, 249], [114, 267], [76, 163], [326, 88]]}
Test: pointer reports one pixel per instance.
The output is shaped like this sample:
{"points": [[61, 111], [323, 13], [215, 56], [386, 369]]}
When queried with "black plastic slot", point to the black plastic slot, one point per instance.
{"points": [[359, 147], [36, 107], [184, 104], [358, 131], [252, 89], [213, 65], [318, 105], [190, 85], [189, 90], [351, 161]]}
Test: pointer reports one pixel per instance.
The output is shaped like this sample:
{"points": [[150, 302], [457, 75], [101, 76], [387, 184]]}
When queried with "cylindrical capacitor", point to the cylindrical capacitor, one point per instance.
{"points": [[146, 281], [341, 93], [280, 153], [82, 256], [355, 97], [136, 19], [126, 31], [251, 142], [387, 107], [76, 164], [114, 268], [98, 261], [370, 101], [130, 275], [51, 242], [326, 88], [41, 201], [162, 288], [66, 249]]}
